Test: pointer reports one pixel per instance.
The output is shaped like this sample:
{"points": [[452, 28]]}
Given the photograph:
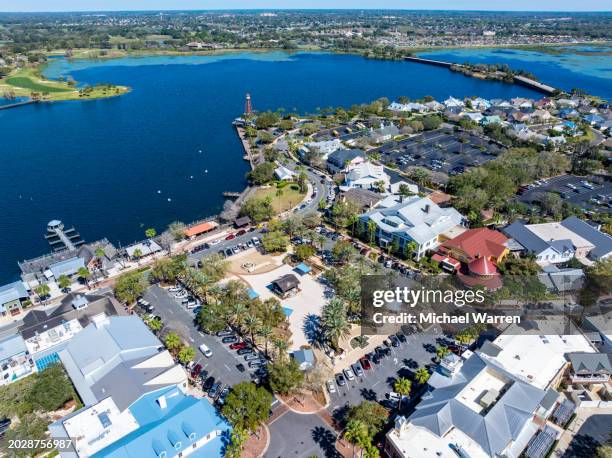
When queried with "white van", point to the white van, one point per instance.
{"points": [[207, 351]]}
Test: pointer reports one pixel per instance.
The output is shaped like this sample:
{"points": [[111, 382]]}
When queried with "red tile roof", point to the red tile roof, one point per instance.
{"points": [[482, 267], [481, 242], [200, 228]]}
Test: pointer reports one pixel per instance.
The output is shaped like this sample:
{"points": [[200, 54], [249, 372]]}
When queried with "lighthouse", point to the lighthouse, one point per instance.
{"points": [[247, 104]]}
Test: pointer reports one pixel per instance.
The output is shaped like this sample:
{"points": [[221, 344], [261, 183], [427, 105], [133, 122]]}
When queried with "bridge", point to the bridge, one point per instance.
{"points": [[18, 104]]}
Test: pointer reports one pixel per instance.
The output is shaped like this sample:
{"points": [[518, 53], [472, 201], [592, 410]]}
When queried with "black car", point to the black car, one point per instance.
{"points": [[394, 340], [229, 339], [386, 343], [374, 357], [340, 380], [401, 337], [208, 383], [380, 352], [240, 367], [245, 351]]}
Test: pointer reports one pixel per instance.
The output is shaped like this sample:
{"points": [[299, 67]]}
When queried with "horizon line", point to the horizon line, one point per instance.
{"points": [[300, 9]]}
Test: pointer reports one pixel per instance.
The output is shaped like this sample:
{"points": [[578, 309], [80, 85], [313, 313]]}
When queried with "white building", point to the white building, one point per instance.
{"points": [[415, 219], [366, 175]]}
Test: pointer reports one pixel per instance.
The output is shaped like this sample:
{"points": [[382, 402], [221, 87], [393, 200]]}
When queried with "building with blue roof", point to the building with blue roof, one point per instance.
{"points": [[11, 297], [171, 424], [15, 360]]}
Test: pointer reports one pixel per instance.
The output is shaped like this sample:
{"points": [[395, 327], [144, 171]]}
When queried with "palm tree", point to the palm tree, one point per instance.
{"points": [[84, 273], [155, 325], [371, 231], [63, 282], [237, 314], [251, 325], [402, 386], [281, 348], [357, 434], [421, 375], [149, 234], [265, 331], [172, 341], [42, 291], [442, 351], [138, 255], [335, 323]]}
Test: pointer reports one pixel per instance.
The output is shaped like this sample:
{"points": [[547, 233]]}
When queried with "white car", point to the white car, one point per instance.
{"points": [[331, 386], [207, 351], [349, 374], [180, 294]]}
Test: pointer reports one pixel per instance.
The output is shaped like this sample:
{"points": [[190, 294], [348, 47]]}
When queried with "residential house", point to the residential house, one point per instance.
{"points": [[363, 199], [541, 115], [589, 367], [519, 116], [475, 117], [594, 119], [414, 219], [15, 360], [480, 104], [67, 267], [12, 298], [344, 159], [322, 148], [366, 175], [567, 103], [394, 188], [452, 102], [408, 107], [434, 106], [492, 119], [559, 280], [521, 103]]}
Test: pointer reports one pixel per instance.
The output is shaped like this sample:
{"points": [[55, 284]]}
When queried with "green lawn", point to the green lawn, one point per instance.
{"points": [[27, 83], [289, 198]]}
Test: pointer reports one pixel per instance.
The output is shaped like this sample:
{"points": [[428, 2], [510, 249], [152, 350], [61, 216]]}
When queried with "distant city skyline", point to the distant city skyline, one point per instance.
{"points": [[144, 5]]}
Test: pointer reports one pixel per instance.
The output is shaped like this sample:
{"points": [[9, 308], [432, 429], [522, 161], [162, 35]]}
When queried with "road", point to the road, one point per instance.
{"points": [[176, 318]]}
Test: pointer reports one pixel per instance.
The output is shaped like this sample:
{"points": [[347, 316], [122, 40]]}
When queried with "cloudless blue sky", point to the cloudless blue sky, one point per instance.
{"points": [[123, 5]]}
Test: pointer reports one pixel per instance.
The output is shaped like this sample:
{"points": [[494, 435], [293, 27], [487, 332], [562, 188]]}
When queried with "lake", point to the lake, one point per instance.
{"points": [[167, 150], [564, 67]]}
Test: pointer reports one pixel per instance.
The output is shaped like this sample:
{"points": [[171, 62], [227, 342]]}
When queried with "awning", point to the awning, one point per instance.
{"points": [[252, 293], [303, 268], [200, 228]]}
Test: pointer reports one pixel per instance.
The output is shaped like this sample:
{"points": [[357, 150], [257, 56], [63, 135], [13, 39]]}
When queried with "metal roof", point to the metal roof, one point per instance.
{"points": [[602, 242], [11, 292], [591, 362], [67, 267], [11, 346]]}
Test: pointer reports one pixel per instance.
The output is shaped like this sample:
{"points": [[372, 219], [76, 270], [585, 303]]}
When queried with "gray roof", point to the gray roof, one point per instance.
{"points": [[531, 242], [494, 430], [38, 321], [590, 362], [303, 356], [11, 346], [12, 291], [549, 399], [67, 267], [286, 282], [98, 351], [602, 242], [339, 157]]}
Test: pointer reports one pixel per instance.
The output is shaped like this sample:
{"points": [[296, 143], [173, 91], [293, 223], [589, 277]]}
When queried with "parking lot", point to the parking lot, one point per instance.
{"points": [[377, 382], [177, 318], [591, 193], [442, 150]]}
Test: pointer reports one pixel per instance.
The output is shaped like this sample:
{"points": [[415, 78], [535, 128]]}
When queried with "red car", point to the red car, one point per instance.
{"points": [[241, 232], [230, 237], [238, 345], [365, 363], [196, 370]]}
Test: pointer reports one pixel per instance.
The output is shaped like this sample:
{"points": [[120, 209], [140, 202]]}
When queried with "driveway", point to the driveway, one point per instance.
{"points": [[222, 365], [301, 436]]}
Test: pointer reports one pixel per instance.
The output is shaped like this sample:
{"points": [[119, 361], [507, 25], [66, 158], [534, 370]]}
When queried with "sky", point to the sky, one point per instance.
{"points": [[125, 5]]}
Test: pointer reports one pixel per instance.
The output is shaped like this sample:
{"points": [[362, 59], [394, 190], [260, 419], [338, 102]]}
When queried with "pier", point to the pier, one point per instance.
{"points": [[522, 80], [62, 239], [18, 104]]}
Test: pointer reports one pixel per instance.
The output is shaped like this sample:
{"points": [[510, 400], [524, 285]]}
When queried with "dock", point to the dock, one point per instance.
{"points": [[60, 238], [546, 89]]}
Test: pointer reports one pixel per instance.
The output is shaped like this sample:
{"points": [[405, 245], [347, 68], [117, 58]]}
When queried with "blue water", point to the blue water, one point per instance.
{"points": [[98, 165], [565, 71]]}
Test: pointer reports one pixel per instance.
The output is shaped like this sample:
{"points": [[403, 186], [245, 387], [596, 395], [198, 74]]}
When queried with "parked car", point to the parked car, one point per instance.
{"points": [[245, 351], [340, 380], [357, 370], [208, 383], [225, 333], [394, 340], [401, 337], [240, 232], [349, 374], [223, 395], [240, 367], [214, 390], [206, 351], [365, 363], [251, 357], [331, 386], [230, 237], [238, 345], [196, 370], [229, 339]]}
